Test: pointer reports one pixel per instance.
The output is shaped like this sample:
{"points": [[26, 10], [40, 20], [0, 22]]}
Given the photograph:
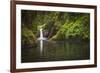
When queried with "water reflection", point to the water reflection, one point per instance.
{"points": [[57, 51]]}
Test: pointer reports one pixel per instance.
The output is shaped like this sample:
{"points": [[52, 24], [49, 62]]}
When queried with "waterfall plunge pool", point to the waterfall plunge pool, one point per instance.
{"points": [[56, 51]]}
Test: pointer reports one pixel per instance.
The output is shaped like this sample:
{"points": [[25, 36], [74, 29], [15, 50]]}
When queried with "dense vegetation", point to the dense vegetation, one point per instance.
{"points": [[56, 25]]}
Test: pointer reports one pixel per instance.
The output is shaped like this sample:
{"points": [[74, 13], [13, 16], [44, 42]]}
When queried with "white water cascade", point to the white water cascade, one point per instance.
{"points": [[41, 38]]}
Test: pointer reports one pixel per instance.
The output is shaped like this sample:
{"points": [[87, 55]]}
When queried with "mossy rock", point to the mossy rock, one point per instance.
{"points": [[28, 38]]}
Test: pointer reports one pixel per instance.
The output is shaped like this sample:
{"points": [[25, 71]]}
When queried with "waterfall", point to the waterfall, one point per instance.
{"points": [[41, 38]]}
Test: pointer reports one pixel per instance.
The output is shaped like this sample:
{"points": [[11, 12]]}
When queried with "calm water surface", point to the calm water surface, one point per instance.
{"points": [[57, 51]]}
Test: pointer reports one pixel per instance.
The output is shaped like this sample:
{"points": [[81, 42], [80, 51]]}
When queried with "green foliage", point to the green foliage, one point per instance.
{"points": [[28, 38], [79, 27], [56, 25]]}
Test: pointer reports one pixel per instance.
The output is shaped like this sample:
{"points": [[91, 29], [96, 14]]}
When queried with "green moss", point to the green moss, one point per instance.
{"points": [[28, 38]]}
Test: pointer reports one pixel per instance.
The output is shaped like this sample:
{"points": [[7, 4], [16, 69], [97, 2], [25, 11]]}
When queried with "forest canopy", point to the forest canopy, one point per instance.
{"points": [[56, 25]]}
